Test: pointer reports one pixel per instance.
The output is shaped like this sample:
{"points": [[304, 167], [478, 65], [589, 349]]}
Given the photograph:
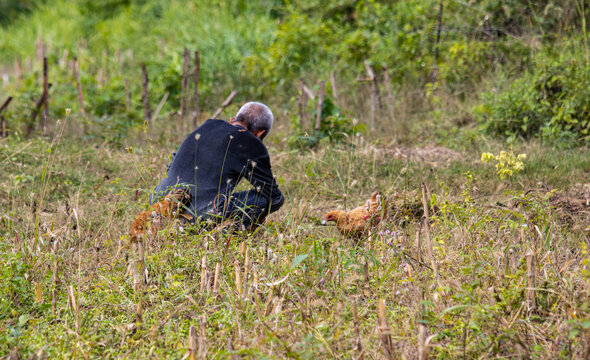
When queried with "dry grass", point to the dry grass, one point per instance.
{"points": [[294, 289]]}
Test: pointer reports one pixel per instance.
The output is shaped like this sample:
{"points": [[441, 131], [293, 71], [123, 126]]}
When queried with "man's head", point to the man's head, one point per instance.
{"points": [[256, 117]]}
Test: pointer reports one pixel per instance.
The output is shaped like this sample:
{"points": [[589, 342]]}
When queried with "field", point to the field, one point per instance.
{"points": [[484, 163]]}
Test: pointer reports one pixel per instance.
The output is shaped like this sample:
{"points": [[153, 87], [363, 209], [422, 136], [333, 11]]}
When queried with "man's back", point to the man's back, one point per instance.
{"points": [[215, 157]]}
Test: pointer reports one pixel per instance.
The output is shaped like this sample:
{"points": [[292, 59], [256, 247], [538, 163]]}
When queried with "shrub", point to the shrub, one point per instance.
{"points": [[552, 102]]}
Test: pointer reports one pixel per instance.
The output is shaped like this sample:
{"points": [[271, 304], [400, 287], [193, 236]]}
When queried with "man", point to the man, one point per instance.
{"points": [[214, 158]]}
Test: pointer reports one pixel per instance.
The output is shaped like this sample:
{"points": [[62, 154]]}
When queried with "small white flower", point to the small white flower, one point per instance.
{"points": [[197, 136], [258, 189], [231, 137], [253, 164], [196, 168]]}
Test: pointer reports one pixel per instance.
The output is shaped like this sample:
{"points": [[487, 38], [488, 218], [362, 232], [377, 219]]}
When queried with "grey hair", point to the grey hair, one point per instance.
{"points": [[256, 116]]}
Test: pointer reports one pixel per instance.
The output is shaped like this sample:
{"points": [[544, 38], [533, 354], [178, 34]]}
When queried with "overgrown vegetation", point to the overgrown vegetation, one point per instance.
{"points": [[508, 276]]}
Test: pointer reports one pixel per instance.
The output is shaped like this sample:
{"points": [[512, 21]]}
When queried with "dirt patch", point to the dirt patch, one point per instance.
{"points": [[573, 205], [435, 155]]}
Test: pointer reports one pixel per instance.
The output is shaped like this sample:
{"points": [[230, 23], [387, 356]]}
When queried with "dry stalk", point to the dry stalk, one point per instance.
{"points": [[203, 274], [38, 293], [530, 274], [202, 337], [423, 348], [427, 233], [216, 278], [75, 307], [357, 332], [385, 332], [318, 120], [238, 279], [225, 104], [192, 343], [246, 271]]}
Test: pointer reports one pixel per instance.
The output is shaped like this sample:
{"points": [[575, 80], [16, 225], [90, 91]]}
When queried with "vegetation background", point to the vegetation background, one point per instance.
{"points": [[506, 275]]}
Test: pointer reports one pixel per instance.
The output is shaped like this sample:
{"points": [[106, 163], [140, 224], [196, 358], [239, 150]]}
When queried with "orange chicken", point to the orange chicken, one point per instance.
{"points": [[166, 209], [359, 221]]}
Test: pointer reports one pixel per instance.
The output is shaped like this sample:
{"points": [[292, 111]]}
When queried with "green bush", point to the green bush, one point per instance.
{"points": [[552, 102]]}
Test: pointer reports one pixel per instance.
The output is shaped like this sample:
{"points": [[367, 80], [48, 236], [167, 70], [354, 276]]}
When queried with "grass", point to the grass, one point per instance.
{"points": [[293, 288]]}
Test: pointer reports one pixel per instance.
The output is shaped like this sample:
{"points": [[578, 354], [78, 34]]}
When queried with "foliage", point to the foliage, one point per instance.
{"points": [[507, 163], [551, 101], [334, 127]]}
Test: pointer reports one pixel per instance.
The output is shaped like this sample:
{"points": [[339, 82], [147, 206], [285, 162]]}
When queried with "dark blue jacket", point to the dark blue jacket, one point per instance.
{"points": [[213, 159]]}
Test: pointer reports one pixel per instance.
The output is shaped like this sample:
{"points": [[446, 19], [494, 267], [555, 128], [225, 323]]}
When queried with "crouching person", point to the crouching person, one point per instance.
{"points": [[215, 158]]}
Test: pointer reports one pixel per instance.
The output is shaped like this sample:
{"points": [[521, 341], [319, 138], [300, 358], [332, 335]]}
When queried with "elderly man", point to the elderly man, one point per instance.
{"points": [[214, 158]]}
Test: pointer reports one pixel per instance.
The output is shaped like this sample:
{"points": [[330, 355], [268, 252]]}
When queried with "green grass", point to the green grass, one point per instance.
{"points": [[308, 277]]}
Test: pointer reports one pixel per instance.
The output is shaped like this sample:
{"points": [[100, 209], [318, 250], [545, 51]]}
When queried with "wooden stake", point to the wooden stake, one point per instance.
{"points": [[428, 242], [196, 75], [45, 96], [373, 94], [389, 93], [144, 96], [225, 104], [302, 104], [35, 111], [530, 275], [318, 119], [333, 83], [19, 69], [79, 85], [183, 83]]}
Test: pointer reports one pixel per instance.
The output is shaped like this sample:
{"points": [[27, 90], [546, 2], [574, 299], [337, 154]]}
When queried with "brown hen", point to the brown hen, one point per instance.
{"points": [[359, 221], [166, 209]]}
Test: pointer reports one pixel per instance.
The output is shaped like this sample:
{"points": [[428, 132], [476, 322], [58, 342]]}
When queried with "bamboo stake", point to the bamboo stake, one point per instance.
{"points": [[530, 274], [427, 232], [144, 96], [45, 96], [308, 92], [196, 75], [225, 104], [79, 85], [318, 120]]}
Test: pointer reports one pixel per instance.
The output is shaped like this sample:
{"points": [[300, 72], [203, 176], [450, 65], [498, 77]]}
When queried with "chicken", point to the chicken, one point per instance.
{"points": [[167, 208], [359, 221]]}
